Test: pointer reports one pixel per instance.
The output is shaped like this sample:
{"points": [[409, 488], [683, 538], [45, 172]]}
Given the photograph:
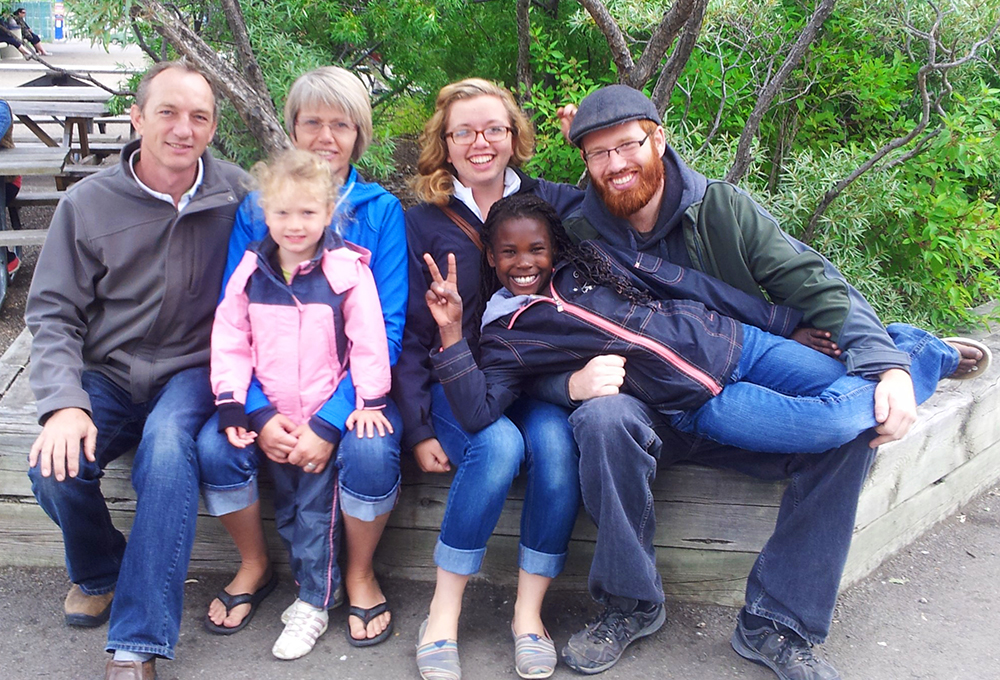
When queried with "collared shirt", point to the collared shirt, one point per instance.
{"points": [[511, 185], [185, 198]]}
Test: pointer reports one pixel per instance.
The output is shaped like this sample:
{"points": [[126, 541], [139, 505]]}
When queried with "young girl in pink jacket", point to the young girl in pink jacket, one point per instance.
{"points": [[299, 311]]}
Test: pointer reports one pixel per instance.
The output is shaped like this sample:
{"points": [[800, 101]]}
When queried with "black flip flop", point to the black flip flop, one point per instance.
{"points": [[366, 616], [231, 601]]}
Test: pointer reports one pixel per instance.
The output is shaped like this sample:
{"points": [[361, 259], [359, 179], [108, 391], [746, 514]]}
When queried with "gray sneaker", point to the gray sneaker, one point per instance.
{"points": [[598, 647], [783, 651]]}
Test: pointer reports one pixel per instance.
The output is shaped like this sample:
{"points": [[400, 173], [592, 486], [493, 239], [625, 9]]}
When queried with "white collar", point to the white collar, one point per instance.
{"points": [[511, 185], [185, 198]]}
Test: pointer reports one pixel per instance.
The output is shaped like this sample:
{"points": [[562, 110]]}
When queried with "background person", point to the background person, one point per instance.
{"points": [[327, 112], [27, 35]]}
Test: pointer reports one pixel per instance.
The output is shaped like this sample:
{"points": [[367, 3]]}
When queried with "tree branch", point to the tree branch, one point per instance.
{"points": [[679, 57], [774, 85], [931, 66], [660, 41], [238, 27], [613, 34]]}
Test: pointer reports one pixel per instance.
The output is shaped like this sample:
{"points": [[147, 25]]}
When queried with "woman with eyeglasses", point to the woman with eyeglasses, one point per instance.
{"points": [[470, 152], [352, 481]]}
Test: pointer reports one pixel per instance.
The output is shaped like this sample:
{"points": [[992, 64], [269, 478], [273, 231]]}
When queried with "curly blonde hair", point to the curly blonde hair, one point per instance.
{"points": [[304, 170], [433, 183]]}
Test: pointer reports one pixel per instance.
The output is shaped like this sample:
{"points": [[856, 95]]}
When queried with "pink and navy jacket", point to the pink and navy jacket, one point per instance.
{"points": [[299, 338]]}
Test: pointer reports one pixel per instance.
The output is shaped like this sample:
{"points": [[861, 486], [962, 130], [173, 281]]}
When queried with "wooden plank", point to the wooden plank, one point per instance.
{"points": [[32, 161], [59, 109], [54, 93], [14, 360], [23, 237], [907, 520], [82, 69], [32, 198]]}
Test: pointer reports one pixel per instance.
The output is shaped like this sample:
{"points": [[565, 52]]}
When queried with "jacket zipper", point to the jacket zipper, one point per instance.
{"points": [[667, 354]]}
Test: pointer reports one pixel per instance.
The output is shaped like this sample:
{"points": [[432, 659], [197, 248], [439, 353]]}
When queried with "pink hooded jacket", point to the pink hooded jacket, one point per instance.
{"points": [[299, 338]]}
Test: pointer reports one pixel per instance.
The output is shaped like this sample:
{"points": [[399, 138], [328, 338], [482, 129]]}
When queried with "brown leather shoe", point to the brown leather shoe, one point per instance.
{"points": [[130, 670], [87, 611]]}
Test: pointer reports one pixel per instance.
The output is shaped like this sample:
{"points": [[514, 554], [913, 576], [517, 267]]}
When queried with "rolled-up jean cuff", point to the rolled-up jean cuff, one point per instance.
{"points": [[367, 508], [222, 500], [539, 563], [140, 648], [461, 562]]}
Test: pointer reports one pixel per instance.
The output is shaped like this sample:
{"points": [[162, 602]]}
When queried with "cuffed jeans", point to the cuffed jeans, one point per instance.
{"points": [[795, 578], [534, 433], [362, 481], [147, 574], [802, 401]]}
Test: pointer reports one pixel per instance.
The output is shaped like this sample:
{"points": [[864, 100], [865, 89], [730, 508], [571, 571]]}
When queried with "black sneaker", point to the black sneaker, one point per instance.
{"points": [[598, 647], [782, 650]]}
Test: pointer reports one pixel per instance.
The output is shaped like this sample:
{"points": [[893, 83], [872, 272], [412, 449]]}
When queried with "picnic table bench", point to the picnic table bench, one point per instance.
{"points": [[710, 523]]}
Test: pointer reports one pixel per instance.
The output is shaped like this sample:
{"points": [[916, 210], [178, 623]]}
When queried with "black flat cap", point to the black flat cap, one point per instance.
{"points": [[611, 105]]}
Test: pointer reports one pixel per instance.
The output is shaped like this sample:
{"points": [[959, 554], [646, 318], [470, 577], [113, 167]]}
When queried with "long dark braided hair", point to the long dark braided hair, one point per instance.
{"points": [[593, 266]]}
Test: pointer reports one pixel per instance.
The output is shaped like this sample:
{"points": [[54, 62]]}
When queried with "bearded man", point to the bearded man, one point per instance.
{"points": [[642, 197]]}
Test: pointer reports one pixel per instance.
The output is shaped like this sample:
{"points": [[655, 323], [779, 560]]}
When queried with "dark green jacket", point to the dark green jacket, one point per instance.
{"points": [[728, 235]]}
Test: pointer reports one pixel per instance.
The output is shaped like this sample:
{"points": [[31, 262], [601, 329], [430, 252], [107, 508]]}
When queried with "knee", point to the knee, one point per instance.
{"points": [[497, 451], [368, 467]]}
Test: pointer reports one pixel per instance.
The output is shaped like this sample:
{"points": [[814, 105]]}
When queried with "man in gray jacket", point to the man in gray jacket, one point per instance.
{"points": [[120, 311]]}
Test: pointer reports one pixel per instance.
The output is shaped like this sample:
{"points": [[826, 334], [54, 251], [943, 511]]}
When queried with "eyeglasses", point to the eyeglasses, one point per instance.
{"points": [[467, 136], [311, 126], [626, 150]]}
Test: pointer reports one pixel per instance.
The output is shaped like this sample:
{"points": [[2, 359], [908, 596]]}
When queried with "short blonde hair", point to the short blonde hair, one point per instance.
{"points": [[332, 87], [433, 182], [303, 169]]}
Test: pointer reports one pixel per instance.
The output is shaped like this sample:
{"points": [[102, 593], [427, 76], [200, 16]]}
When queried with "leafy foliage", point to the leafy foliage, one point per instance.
{"points": [[918, 234]]}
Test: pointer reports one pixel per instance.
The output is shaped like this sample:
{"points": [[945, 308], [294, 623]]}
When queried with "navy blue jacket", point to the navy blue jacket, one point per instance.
{"points": [[680, 350], [428, 230]]}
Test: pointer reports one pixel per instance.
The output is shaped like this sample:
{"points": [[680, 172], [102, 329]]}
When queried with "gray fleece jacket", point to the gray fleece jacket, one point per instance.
{"points": [[127, 286]]}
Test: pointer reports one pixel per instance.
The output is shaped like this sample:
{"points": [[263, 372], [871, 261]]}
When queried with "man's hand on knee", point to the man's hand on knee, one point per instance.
{"points": [[895, 406], [57, 449], [603, 376]]}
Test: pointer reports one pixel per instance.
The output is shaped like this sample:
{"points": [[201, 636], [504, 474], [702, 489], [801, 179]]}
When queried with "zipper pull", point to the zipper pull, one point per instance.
{"points": [[559, 307]]}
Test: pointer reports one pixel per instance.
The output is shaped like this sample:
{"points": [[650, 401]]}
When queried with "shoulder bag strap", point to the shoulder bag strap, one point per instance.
{"points": [[464, 226]]}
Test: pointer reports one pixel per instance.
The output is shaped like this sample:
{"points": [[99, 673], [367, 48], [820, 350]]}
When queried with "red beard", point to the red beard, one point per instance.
{"points": [[624, 203]]}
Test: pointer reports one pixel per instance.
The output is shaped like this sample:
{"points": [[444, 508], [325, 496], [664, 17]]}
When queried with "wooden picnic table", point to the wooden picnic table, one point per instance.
{"points": [[24, 161], [71, 107]]}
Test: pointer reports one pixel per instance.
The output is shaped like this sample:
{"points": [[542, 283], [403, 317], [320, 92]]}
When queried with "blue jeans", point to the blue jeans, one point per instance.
{"points": [[361, 482], [532, 432], [797, 574], [802, 401], [147, 574]]}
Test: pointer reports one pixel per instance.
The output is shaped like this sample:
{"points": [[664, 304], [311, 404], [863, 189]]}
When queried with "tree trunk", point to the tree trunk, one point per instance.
{"points": [[524, 52], [253, 105], [672, 70]]}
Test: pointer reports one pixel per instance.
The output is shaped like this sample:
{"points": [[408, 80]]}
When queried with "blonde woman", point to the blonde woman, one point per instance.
{"points": [[470, 152]]}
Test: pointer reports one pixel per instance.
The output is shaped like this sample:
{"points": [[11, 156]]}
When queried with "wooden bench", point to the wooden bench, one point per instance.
{"points": [[710, 523], [23, 237], [26, 199]]}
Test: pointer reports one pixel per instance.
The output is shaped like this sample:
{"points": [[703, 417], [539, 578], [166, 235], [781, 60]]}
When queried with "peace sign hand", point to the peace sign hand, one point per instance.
{"points": [[443, 300]]}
